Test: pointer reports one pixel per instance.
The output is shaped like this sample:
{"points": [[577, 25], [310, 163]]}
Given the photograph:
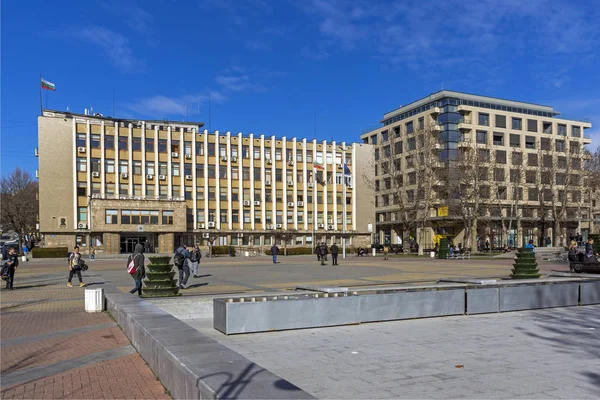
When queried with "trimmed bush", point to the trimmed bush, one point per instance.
{"points": [[292, 251], [223, 250], [49, 252]]}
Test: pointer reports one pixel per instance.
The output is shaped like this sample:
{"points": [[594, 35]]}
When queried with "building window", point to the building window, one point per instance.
{"points": [[245, 152], [109, 165], [223, 218], [547, 127], [149, 145], [530, 177], [200, 149], [515, 176], [532, 194], [222, 150], [95, 165], [150, 191], [545, 144], [110, 189], [257, 153], [210, 149], [500, 156], [150, 168], [167, 217], [109, 142], [481, 137], [560, 145], [532, 125], [562, 130], [421, 123], [484, 119], [498, 138], [575, 131], [246, 173], [162, 191], [137, 167], [97, 239], [111, 217], [162, 168], [384, 136], [137, 190], [212, 193], [235, 174], [123, 167], [81, 137], [409, 127], [175, 146], [500, 121], [136, 143], [309, 156], [162, 145], [530, 142], [175, 169], [515, 140], [517, 124], [532, 160], [211, 171], [81, 165], [81, 240], [95, 141], [82, 214], [123, 143]]}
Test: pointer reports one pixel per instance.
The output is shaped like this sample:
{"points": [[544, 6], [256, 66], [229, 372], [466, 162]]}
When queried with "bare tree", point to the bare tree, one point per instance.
{"points": [[19, 203], [284, 235], [467, 177], [591, 182]]}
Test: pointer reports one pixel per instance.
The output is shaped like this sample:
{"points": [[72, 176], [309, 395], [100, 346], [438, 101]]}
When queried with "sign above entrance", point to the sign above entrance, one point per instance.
{"points": [[443, 211], [140, 228]]}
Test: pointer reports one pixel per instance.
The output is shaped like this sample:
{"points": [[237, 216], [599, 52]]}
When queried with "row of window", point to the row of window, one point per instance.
{"points": [[485, 193], [224, 194], [212, 171], [138, 217], [247, 217], [211, 149]]}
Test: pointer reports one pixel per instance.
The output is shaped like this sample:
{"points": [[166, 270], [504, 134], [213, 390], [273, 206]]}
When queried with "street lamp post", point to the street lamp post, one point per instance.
{"points": [[344, 149]]}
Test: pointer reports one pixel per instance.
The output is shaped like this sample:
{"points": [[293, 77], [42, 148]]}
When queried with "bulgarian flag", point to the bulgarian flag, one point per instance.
{"points": [[318, 166], [48, 85]]}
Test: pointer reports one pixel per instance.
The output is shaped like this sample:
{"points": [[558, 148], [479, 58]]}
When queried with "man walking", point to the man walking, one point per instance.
{"points": [[334, 254], [318, 251], [195, 257], [75, 262], [10, 262], [140, 270], [274, 251], [180, 259]]}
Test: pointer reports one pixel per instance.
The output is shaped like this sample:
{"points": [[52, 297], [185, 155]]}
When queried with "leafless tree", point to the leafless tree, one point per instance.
{"points": [[284, 235], [19, 207], [407, 170]]}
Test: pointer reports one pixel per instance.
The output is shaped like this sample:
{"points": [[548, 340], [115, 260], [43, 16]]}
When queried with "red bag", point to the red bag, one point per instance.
{"points": [[131, 266]]}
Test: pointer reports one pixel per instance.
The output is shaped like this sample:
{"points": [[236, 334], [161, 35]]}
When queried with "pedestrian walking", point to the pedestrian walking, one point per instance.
{"points": [[318, 251], [92, 254], [548, 241], [324, 252], [180, 259], [75, 264], [274, 252], [10, 262], [386, 250], [140, 270], [334, 254], [195, 257]]}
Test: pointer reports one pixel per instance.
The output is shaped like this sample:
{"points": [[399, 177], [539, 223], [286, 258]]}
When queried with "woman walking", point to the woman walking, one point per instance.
{"points": [[140, 270], [75, 263]]}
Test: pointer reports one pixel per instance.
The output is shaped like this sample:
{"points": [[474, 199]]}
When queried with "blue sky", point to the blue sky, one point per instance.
{"points": [[269, 66]]}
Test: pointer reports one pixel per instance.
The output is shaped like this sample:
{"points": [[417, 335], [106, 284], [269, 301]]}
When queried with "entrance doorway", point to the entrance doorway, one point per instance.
{"points": [[129, 241]]}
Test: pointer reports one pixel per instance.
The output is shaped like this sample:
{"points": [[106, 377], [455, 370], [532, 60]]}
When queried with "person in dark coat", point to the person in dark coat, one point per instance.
{"points": [[10, 262], [590, 254], [324, 252], [140, 270], [274, 252], [318, 252], [334, 254]]}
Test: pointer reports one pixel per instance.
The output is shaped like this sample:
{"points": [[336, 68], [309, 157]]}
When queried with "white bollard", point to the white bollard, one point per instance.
{"points": [[432, 254], [94, 300]]}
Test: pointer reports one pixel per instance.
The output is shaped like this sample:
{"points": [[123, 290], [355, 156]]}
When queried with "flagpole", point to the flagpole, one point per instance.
{"points": [[40, 83]]}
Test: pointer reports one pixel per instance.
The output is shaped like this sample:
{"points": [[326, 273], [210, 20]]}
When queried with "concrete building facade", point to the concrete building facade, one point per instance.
{"points": [[532, 158], [112, 183]]}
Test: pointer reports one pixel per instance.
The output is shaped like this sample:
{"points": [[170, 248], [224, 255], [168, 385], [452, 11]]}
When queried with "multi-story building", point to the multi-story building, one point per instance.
{"points": [[112, 183], [526, 163]]}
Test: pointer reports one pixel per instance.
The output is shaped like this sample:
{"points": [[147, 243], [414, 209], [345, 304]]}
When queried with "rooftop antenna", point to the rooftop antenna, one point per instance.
{"points": [[113, 102], [315, 124], [442, 85], [209, 115]]}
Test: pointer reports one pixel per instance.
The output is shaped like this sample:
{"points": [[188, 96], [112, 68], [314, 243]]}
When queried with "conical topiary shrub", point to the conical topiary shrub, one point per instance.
{"points": [[160, 280], [443, 253], [525, 266]]}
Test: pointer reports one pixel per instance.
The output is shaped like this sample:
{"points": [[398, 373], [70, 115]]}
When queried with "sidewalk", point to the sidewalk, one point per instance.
{"points": [[52, 348]]}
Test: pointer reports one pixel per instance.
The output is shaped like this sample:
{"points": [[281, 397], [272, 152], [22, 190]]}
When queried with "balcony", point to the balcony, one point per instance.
{"points": [[463, 109], [465, 124], [435, 110], [465, 143], [436, 127]]}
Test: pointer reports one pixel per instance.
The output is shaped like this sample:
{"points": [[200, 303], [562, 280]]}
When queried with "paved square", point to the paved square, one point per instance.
{"points": [[552, 353]]}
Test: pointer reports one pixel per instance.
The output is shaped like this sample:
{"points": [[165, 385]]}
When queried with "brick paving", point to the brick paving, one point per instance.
{"points": [[42, 305]]}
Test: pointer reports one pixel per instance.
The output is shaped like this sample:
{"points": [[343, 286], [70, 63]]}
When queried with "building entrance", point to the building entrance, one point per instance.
{"points": [[129, 241]]}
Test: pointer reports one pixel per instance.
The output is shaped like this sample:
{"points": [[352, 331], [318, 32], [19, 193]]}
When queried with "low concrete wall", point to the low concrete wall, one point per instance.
{"points": [[269, 313], [189, 364]]}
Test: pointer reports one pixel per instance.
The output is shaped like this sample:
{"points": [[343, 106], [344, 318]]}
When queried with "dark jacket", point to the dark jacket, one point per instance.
{"points": [[589, 250], [186, 255], [9, 262], [324, 250], [195, 255], [334, 249], [274, 250], [138, 261], [318, 250]]}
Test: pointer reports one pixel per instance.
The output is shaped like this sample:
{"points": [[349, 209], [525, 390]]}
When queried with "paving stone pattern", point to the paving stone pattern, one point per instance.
{"points": [[52, 348], [552, 353]]}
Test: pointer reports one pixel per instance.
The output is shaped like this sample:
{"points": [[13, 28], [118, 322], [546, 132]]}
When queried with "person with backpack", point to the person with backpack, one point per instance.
{"points": [[75, 265], [180, 260], [10, 262], [195, 257], [324, 252], [135, 267]]}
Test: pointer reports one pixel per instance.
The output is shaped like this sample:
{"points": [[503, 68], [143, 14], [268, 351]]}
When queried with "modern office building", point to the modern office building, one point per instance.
{"points": [[112, 183], [531, 162]]}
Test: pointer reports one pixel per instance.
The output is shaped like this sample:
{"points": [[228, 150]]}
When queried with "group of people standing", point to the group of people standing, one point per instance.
{"points": [[322, 251]]}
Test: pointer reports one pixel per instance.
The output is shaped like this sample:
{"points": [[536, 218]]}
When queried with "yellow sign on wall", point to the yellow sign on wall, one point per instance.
{"points": [[442, 211]]}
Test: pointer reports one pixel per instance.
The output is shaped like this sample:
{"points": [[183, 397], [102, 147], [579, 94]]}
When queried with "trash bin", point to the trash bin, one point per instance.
{"points": [[432, 254], [246, 253], [24, 258], [94, 300]]}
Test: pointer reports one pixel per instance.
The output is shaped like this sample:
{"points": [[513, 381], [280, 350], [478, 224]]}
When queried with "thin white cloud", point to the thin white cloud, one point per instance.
{"points": [[114, 45], [131, 14], [160, 106]]}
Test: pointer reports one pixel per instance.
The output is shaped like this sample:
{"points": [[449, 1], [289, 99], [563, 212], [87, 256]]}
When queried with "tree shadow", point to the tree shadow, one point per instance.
{"points": [[203, 276], [233, 387], [197, 285], [26, 303], [571, 334]]}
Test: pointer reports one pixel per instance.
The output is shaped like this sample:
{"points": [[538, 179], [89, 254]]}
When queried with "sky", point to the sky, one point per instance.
{"points": [[294, 68]]}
